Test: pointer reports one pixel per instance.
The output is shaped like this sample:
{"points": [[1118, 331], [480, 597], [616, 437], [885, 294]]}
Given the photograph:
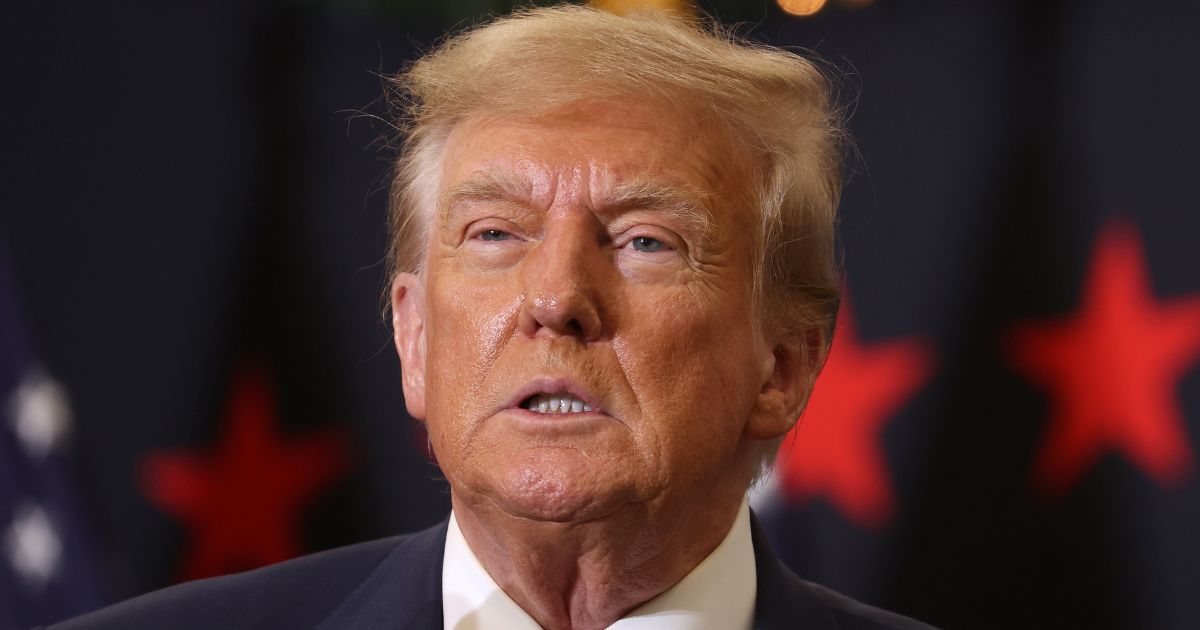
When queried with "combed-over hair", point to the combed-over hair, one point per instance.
{"points": [[778, 104]]}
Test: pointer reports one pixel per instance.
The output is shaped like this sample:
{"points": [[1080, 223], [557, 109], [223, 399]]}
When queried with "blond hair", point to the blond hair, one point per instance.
{"points": [[777, 104]]}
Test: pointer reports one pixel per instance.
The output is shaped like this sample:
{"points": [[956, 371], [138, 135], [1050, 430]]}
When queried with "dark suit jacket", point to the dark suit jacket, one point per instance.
{"points": [[396, 583]]}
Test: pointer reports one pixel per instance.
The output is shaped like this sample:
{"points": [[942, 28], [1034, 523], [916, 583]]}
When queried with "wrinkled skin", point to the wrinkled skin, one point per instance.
{"points": [[544, 274]]}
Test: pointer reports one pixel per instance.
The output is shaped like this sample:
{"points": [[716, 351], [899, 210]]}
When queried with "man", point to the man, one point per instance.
{"points": [[614, 285]]}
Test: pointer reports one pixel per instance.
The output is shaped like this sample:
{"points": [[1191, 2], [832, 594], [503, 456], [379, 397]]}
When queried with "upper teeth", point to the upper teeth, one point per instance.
{"points": [[556, 403]]}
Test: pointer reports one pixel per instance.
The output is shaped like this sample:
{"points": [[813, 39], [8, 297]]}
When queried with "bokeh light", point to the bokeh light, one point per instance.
{"points": [[623, 7], [801, 7]]}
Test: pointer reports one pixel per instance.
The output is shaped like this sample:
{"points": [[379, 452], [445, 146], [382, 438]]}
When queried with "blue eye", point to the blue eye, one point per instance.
{"points": [[493, 235], [647, 244]]}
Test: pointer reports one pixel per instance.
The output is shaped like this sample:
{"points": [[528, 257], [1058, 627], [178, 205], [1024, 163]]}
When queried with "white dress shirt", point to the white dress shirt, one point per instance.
{"points": [[717, 595]]}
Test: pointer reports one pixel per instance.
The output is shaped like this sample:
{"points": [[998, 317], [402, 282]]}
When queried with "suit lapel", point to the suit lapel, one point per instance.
{"points": [[784, 600], [403, 593]]}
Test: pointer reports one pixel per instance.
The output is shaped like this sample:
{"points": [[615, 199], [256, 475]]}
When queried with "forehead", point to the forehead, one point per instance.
{"points": [[591, 148]]}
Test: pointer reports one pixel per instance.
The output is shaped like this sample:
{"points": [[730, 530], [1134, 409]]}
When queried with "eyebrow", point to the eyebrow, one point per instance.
{"points": [[687, 203], [486, 186]]}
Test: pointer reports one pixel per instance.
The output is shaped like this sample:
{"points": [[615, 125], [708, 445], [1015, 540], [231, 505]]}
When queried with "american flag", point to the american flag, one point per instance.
{"points": [[45, 571]]}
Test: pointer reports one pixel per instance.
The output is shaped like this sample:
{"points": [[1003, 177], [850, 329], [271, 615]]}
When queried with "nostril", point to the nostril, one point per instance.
{"points": [[574, 327]]}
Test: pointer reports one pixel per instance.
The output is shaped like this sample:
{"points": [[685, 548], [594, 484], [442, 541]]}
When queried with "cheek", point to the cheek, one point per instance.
{"points": [[469, 320], [691, 367], [466, 331]]}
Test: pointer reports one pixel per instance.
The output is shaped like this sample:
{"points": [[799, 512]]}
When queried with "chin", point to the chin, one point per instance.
{"points": [[558, 486]]}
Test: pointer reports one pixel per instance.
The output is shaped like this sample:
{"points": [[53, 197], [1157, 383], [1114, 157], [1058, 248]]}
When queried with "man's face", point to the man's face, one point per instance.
{"points": [[584, 339]]}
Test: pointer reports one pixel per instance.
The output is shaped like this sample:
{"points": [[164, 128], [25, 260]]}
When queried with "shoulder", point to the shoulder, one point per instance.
{"points": [[851, 614], [787, 601], [296, 593]]}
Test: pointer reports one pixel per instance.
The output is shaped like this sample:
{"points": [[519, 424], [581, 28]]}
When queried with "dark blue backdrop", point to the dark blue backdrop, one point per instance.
{"points": [[193, 214]]}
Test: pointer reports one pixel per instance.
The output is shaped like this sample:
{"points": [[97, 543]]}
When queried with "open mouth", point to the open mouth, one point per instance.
{"points": [[559, 402]]}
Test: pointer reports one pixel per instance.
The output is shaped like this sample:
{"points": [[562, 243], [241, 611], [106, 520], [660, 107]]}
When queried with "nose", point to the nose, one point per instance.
{"points": [[562, 279]]}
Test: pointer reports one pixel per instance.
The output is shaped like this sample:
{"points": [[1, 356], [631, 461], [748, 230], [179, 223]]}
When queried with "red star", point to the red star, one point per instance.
{"points": [[835, 449], [1112, 369], [241, 501]]}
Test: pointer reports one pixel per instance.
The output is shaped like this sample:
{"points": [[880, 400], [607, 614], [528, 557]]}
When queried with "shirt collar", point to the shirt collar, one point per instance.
{"points": [[718, 593]]}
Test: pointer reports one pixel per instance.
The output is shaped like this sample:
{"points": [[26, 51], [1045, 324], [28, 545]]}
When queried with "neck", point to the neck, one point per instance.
{"points": [[580, 576]]}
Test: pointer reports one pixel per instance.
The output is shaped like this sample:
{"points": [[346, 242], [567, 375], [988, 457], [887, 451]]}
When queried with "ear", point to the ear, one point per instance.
{"points": [[408, 333], [788, 376]]}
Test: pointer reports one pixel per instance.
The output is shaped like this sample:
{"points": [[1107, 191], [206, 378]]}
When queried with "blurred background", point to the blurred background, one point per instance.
{"points": [[196, 377]]}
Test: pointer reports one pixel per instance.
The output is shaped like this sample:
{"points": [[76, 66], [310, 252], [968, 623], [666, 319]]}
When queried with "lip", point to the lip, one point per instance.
{"points": [[553, 386]]}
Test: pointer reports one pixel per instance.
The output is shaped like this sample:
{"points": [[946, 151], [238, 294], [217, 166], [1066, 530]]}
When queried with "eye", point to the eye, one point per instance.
{"points": [[494, 235], [647, 244]]}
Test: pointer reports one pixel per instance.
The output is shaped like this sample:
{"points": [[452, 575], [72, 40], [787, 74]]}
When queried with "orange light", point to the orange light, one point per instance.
{"points": [[625, 7], [801, 7]]}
